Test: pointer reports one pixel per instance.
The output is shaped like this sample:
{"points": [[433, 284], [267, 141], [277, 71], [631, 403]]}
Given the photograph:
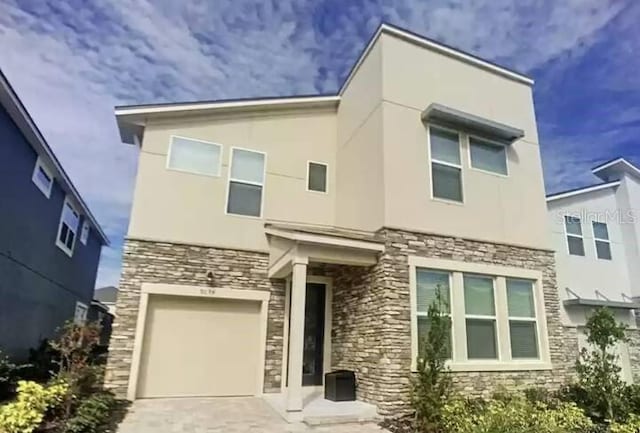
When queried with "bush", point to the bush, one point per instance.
{"points": [[27, 412], [92, 413], [631, 426], [8, 377], [43, 362], [514, 415]]}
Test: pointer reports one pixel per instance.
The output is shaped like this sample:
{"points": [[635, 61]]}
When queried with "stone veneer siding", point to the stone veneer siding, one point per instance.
{"points": [[371, 319], [158, 262], [634, 353]]}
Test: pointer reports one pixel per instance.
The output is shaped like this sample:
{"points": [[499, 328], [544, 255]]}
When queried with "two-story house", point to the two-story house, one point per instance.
{"points": [[50, 242], [596, 234], [274, 240]]}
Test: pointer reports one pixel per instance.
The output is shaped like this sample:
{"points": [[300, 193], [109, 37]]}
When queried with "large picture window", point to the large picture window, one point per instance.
{"points": [[246, 182], [194, 156]]}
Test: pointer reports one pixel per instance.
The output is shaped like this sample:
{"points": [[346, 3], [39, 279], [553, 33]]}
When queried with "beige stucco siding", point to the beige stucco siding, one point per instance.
{"points": [[184, 207]]}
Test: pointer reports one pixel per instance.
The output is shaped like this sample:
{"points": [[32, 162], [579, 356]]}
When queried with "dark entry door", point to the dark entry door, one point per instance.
{"points": [[312, 358]]}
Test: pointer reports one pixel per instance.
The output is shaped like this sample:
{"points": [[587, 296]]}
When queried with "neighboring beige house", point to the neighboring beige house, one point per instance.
{"points": [[596, 234], [274, 240]]}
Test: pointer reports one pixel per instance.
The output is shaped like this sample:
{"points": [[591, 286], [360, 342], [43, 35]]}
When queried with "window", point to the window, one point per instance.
{"points": [[428, 283], [497, 314], [68, 228], [601, 238], [80, 315], [488, 156], [84, 235], [317, 177], [480, 315], [522, 319], [575, 243], [446, 169], [246, 182], [42, 178], [194, 156]]}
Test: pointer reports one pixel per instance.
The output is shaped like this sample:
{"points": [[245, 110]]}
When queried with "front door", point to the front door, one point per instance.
{"points": [[312, 358]]}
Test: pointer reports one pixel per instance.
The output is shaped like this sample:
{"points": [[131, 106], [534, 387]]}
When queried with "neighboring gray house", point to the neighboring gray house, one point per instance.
{"points": [[107, 296], [50, 242]]}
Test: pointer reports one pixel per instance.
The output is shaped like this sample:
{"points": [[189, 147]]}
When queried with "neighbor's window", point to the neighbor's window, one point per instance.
{"points": [[480, 315], [80, 315], [601, 237], [84, 234], [42, 178], [446, 169], [68, 228], [575, 243], [522, 319], [317, 177], [246, 182], [488, 156], [194, 156], [428, 282]]}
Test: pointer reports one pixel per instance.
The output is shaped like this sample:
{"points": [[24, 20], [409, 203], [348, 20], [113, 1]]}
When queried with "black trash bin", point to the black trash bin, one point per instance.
{"points": [[340, 385]]}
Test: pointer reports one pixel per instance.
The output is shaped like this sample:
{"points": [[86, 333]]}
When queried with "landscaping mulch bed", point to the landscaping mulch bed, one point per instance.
{"points": [[402, 424]]}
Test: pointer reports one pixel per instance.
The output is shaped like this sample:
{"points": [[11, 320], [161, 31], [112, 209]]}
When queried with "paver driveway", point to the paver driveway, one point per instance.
{"points": [[223, 415]]}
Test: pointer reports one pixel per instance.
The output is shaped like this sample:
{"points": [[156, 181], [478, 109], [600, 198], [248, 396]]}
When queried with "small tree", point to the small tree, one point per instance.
{"points": [[597, 368], [431, 385]]}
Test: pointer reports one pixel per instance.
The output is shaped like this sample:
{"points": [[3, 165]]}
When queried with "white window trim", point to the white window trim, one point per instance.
{"points": [[231, 179], [597, 239], [62, 246], [85, 227], [86, 311], [326, 185], [494, 317], [459, 350], [34, 178], [198, 173], [494, 142], [567, 235], [445, 163]]}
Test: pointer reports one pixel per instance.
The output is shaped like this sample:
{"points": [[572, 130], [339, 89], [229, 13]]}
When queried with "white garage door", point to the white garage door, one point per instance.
{"points": [[195, 347]]}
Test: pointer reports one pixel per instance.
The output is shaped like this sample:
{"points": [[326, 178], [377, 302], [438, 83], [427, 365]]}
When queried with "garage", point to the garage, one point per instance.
{"points": [[196, 346]]}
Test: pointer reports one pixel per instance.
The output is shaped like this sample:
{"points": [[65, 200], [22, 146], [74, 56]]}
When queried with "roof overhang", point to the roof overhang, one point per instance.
{"points": [[448, 116], [582, 302], [614, 169], [19, 114], [133, 118], [287, 247], [583, 190]]}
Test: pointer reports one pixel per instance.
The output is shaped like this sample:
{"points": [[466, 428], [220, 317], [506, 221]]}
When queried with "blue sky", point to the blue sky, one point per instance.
{"points": [[72, 61]]}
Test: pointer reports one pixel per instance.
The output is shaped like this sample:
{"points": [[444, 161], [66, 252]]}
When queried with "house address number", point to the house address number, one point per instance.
{"points": [[207, 292]]}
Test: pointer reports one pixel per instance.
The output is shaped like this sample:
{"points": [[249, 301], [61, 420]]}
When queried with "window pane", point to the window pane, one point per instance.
{"points": [[194, 156], [481, 339], [317, 177], [63, 233], [43, 177], [423, 333], [600, 231], [524, 341], [576, 246], [70, 217], [573, 225], [445, 146], [247, 166], [520, 298], [70, 238], [603, 249], [427, 282], [489, 157], [244, 199], [478, 295], [447, 183]]}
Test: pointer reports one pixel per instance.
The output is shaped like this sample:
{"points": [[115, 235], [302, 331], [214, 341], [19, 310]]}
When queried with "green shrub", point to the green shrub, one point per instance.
{"points": [[632, 425], [27, 412], [10, 374], [92, 413], [43, 362], [515, 414]]}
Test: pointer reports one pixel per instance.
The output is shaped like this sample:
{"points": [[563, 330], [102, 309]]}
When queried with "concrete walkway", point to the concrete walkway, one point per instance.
{"points": [[219, 415]]}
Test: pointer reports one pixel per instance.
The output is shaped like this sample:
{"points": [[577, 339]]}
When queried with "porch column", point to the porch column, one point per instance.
{"points": [[296, 334]]}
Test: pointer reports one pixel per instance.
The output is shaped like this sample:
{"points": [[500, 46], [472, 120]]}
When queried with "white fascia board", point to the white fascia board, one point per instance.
{"points": [[622, 161], [581, 191]]}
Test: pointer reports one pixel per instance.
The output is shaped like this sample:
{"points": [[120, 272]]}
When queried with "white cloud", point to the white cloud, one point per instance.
{"points": [[72, 61]]}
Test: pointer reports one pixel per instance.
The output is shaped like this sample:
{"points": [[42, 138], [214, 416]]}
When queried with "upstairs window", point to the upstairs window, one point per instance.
{"points": [[601, 238], [446, 169], [42, 178], [68, 228], [84, 234], [246, 182], [488, 156], [194, 156], [575, 242], [317, 177]]}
